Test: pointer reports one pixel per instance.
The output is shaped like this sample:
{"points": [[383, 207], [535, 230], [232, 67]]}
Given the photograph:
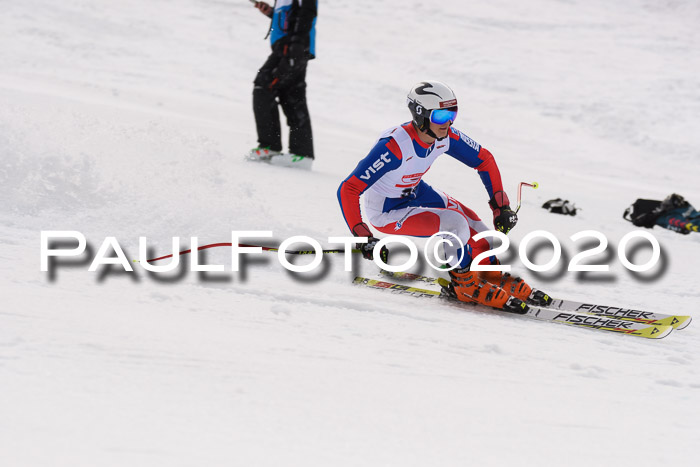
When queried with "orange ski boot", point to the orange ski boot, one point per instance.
{"points": [[516, 287], [466, 286]]}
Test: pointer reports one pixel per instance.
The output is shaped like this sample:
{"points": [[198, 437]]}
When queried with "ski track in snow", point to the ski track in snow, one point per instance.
{"points": [[129, 119]]}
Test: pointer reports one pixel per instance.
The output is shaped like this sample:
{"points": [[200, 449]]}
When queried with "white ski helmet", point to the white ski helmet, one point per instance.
{"points": [[427, 96]]}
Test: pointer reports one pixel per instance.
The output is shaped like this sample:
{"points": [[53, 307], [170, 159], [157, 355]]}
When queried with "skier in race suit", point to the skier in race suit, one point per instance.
{"points": [[398, 201]]}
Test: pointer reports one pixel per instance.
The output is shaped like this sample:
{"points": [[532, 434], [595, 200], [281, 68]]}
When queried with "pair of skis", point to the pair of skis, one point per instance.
{"points": [[594, 316]]}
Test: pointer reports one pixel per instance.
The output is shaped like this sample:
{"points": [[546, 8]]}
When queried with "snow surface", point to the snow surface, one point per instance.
{"points": [[129, 119]]}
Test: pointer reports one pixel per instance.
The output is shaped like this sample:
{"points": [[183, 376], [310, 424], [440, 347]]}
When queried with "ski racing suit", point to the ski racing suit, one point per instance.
{"points": [[397, 201]]}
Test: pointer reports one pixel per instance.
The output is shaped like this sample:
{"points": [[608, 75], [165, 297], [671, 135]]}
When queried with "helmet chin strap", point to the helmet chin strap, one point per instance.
{"points": [[431, 133]]}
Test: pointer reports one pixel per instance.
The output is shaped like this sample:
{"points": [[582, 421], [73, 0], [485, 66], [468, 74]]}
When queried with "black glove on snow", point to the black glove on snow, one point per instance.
{"points": [[504, 218], [367, 249]]}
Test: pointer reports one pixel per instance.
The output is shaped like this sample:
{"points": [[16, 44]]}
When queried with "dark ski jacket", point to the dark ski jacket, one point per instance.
{"points": [[294, 21]]}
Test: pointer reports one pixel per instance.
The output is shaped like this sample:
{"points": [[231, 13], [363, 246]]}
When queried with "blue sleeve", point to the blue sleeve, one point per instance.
{"points": [[464, 149], [469, 152], [381, 159]]}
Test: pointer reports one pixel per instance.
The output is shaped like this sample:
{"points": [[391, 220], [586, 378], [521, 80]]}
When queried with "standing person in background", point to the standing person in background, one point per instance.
{"points": [[282, 80]]}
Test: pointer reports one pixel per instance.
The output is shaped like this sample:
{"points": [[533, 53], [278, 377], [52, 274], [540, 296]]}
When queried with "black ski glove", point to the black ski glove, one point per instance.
{"points": [[367, 249], [504, 218]]}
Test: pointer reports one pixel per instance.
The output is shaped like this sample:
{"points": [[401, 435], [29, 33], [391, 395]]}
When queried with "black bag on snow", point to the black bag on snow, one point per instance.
{"points": [[560, 206], [645, 212]]}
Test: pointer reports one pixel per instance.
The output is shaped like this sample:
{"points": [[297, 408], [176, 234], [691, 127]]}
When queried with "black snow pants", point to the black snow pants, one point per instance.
{"points": [[276, 84]]}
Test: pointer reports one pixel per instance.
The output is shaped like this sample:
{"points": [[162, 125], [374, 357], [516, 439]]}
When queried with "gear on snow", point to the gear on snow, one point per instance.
{"points": [[673, 213], [560, 206]]}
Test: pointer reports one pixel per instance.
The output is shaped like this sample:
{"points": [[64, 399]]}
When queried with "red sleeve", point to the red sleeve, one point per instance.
{"points": [[349, 197], [489, 173], [352, 187]]}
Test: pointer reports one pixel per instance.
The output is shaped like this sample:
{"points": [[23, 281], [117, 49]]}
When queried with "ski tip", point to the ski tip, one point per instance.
{"points": [[681, 322], [675, 321], [654, 332]]}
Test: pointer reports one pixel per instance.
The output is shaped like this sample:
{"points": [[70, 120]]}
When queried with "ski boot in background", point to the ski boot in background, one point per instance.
{"points": [[467, 286], [292, 160], [516, 287], [261, 154]]}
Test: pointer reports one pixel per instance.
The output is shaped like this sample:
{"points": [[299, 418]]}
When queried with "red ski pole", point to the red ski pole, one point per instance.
{"points": [[264, 248], [534, 185]]}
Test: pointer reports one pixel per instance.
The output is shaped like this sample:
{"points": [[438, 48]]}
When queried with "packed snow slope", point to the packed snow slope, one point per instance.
{"points": [[129, 119]]}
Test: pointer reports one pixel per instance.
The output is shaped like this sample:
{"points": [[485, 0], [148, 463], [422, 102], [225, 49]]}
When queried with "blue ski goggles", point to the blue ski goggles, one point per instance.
{"points": [[441, 116]]}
